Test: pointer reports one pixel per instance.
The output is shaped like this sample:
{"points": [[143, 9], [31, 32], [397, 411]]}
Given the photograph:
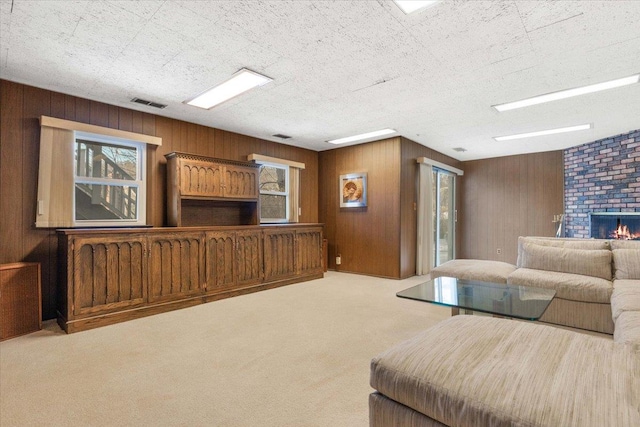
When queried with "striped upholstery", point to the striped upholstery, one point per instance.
{"points": [[626, 297], [474, 269], [384, 412], [568, 286], [628, 329], [627, 263], [482, 371], [586, 262], [569, 243], [581, 315]]}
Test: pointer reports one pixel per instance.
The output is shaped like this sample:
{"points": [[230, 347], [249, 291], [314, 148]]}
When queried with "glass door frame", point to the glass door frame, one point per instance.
{"points": [[437, 175]]}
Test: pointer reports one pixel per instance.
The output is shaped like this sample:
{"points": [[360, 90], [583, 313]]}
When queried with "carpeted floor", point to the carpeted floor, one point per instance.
{"points": [[292, 356]]}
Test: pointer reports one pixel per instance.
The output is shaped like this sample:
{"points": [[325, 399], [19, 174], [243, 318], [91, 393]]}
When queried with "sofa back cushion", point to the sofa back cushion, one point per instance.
{"points": [[596, 262], [569, 243], [626, 263], [625, 244]]}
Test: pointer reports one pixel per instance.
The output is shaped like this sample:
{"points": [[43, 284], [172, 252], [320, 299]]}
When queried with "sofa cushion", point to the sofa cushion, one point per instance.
{"points": [[626, 263], [568, 286], [596, 262], [625, 244], [474, 269], [628, 329], [570, 243], [625, 297], [472, 370]]}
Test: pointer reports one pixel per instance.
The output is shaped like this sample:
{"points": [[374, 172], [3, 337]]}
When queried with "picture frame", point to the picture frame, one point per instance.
{"points": [[352, 190]]}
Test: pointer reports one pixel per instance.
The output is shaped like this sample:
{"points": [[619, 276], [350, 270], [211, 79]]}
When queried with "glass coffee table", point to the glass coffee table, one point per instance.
{"points": [[515, 301]]}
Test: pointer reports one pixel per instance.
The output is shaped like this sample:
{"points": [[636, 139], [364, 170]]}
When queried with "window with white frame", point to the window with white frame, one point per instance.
{"points": [[274, 192], [91, 176], [109, 181]]}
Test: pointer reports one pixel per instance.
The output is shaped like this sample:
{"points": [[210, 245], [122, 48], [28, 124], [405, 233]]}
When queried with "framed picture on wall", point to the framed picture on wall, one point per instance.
{"points": [[353, 190]]}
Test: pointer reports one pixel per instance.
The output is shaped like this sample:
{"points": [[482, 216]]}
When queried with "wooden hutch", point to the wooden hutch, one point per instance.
{"points": [[216, 249]]}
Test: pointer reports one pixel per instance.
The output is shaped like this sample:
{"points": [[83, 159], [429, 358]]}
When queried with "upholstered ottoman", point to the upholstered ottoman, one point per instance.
{"points": [[474, 269], [482, 371]]}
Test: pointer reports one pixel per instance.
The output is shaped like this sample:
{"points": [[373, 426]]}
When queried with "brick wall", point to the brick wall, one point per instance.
{"points": [[601, 176]]}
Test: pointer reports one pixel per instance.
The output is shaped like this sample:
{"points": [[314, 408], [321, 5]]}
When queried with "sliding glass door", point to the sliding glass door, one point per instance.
{"points": [[443, 215]]}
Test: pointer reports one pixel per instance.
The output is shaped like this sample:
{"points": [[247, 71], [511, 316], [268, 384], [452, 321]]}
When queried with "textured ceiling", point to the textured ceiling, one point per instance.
{"points": [[342, 67]]}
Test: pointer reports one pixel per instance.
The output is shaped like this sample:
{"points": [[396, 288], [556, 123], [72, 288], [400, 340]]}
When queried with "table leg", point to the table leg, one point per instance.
{"points": [[455, 311]]}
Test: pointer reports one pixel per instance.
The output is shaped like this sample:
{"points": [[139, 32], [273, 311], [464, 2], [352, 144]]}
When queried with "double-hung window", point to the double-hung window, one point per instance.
{"points": [[109, 185], [274, 192]]}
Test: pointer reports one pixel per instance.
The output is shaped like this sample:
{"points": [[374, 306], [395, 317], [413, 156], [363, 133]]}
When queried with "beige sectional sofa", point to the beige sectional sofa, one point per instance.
{"points": [[483, 371]]}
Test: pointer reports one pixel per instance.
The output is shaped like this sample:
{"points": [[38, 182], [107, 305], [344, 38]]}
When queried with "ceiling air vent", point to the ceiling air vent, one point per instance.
{"points": [[149, 103], [460, 149], [281, 136]]}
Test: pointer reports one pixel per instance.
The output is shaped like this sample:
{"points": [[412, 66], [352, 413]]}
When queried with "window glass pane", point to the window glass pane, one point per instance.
{"points": [[101, 160], [273, 207], [106, 202], [272, 179]]}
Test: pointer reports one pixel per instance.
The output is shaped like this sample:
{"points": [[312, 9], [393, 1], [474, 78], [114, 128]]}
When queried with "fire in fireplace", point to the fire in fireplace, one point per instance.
{"points": [[615, 225]]}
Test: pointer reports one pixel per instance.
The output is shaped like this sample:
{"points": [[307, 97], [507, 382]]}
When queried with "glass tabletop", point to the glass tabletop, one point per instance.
{"points": [[522, 302]]}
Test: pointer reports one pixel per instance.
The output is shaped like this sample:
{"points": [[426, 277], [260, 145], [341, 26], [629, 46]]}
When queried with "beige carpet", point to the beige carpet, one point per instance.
{"points": [[292, 356]]}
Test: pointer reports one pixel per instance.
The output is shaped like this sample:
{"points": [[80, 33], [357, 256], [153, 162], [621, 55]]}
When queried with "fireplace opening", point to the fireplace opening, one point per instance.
{"points": [[615, 225]]}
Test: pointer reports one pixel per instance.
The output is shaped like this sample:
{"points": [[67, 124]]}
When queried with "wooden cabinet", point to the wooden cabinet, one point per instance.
{"points": [[109, 276], [20, 299], [235, 259], [176, 266], [204, 191], [108, 273]]}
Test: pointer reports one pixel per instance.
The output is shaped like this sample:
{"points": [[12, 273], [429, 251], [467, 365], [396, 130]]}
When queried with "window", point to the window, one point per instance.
{"points": [[91, 176], [274, 193], [109, 185]]}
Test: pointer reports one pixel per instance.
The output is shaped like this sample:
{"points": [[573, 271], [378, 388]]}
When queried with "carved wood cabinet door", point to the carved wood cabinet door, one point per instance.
{"points": [[279, 254], [309, 250], [201, 179], [176, 266], [221, 264], [109, 273], [249, 257], [241, 182]]}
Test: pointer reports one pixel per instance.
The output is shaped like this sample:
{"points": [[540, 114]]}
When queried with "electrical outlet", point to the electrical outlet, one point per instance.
{"points": [[499, 251], [338, 260]]}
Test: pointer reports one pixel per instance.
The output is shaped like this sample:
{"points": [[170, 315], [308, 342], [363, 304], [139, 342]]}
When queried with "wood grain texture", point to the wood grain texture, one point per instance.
{"points": [[507, 197], [19, 152], [20, 307], [114, 275], [378, 240]]}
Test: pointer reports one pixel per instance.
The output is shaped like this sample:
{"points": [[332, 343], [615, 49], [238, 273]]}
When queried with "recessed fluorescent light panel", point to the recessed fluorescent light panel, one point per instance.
{"points": [[568, 93], [410, 6], [239, 83], [362, 136], [543, 132]]}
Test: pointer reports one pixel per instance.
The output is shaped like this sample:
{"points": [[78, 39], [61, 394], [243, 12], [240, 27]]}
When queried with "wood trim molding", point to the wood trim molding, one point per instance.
{"points": [[100, 130], [260, 158], [440, 165]]}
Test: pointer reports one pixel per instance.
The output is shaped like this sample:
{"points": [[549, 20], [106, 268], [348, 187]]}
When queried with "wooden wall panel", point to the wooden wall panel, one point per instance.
{"points": [[507, 197], [21, 107], [367, 238]]}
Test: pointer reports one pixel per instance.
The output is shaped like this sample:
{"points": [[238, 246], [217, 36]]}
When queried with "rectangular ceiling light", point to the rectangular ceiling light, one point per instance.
{"points": [[362, 136], [554, 96], [410, 6], [543, 132], [239, 83]]}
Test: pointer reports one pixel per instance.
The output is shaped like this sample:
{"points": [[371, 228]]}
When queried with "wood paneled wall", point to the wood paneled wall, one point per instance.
{"points": [[379, 240], [367, 238], [20, 109], [507, 197]]}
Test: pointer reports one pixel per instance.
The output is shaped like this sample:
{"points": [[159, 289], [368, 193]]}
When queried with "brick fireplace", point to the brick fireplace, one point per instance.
{"points": [[601, 177]]}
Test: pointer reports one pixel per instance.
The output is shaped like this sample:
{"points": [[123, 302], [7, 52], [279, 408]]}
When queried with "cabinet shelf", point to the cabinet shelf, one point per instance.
{"points": [[205, 191]]}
